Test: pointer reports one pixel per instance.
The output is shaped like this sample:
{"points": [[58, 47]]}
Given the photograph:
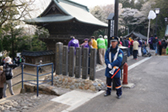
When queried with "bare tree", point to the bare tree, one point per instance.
{"points": [[14, 10]]}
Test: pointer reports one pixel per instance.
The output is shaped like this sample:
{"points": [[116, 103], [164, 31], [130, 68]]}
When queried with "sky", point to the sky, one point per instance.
{"points": [[92, 3], [40, 5]]}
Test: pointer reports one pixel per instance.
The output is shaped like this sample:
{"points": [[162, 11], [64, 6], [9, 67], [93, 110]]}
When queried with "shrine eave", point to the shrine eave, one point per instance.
{"points": [[49, 19], [57, 19]]}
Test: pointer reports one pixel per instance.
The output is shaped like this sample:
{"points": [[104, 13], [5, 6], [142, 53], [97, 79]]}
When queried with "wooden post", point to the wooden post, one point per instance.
{"points": [[85, 63], [78, 63], [59, 49], [71, 61], [93, 64], [65, 61]]}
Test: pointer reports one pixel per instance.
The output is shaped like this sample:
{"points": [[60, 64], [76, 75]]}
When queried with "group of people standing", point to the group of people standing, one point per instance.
{"points": [[134, 46], [159, 45], [100, 44]]}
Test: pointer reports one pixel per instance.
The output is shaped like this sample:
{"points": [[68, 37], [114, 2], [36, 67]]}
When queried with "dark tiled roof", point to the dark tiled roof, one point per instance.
{"points": [[137, 35], [69, 11], [36, 53]]}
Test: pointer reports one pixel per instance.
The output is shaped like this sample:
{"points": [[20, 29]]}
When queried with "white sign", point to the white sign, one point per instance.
{"points": [[152, 15], [18, 54], [1, 54]]}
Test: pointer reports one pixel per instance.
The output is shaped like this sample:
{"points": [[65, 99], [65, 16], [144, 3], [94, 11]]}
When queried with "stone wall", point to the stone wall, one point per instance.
{"points": [[63, 84]]}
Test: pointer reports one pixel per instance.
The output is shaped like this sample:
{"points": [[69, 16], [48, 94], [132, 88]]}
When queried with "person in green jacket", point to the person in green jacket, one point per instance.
{"points": [[106, 41], [101, 49]]}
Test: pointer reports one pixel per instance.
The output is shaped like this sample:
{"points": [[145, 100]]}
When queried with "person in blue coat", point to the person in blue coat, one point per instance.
{"points": [[113, 59]]}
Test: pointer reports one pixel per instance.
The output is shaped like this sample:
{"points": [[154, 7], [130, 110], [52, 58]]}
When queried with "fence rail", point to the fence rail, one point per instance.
{"points": [[35, 75]]}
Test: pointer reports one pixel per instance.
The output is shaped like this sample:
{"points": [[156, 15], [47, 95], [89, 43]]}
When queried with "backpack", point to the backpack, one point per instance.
{"points": [[20, 60], [8, 72]]}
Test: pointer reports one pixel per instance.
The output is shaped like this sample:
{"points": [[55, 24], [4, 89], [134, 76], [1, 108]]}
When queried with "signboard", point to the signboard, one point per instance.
{"points": [[166, 32], [18, 54], [1, 54], [152, 15], [112, 28]]}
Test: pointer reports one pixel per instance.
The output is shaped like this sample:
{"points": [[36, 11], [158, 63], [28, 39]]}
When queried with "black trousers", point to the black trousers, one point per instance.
{"points": [[89, 65], [117, 83], [160, 50], [1, 93], [135, 53], [131, 50]]}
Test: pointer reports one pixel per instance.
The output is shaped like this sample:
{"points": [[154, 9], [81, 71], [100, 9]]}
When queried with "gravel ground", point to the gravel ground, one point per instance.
{"points": [[24, 102]]}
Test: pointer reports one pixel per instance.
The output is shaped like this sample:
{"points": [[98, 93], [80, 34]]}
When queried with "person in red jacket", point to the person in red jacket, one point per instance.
{"points": [[160, 47]]}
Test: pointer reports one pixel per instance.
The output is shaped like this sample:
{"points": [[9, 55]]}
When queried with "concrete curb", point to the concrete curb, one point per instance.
{"points": [[129, 85], [138, 63], [72, 99]]}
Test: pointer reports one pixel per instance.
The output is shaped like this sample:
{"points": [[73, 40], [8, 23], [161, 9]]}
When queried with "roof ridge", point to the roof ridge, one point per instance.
{"points": [[78, 4], [56, 3], [37, 51]]}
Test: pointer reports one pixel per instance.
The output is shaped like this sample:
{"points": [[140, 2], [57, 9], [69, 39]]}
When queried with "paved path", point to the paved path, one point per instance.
{"points": [[74, 99], [149, 94]]}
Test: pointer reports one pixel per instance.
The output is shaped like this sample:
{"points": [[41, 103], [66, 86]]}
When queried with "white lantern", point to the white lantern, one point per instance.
{"points": [[157, 11]]}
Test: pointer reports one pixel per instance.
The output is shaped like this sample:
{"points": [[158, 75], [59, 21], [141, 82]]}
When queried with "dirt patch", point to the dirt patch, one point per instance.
{"points": [[28, 70]]}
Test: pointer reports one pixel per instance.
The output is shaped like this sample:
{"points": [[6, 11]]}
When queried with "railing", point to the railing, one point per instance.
{"points": [[37, 75]]}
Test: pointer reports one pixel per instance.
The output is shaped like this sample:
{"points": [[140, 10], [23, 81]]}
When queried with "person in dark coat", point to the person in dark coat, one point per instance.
{"points": [[151, 42], [8, 69], [2, 81], [126, 42], [155, 43], [113, 59], [164, 46]]}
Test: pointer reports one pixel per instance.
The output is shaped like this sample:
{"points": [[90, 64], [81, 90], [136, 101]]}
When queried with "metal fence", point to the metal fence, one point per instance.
{"points": [[35, 75]]}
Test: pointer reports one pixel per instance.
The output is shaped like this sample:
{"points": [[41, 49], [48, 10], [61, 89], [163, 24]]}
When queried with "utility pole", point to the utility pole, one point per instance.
{"points": [[13, 56], [115, 26], [116, 19]]}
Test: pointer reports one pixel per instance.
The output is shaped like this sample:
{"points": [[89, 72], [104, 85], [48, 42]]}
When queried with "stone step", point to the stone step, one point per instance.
{"points": [[24, 102], [46, 89], [8, 98]]}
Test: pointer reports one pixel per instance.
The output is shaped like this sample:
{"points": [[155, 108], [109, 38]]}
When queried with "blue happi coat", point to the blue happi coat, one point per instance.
{"points": [[117, 62]]}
